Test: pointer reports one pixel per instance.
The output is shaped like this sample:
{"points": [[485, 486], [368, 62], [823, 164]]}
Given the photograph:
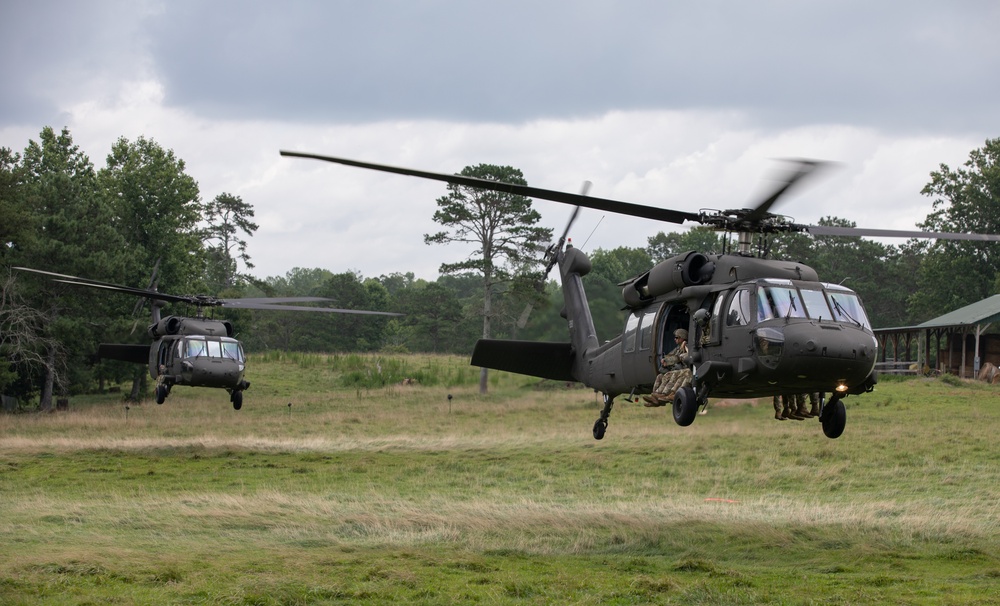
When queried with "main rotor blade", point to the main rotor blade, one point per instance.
{"points": [[239, 302], [235, 304], [822, 230], [804, 169], [613, 206], [66, 279]]}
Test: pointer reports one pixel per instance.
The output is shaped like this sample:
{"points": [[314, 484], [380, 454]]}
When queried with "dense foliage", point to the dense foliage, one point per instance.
{"points": [[143, 211]]}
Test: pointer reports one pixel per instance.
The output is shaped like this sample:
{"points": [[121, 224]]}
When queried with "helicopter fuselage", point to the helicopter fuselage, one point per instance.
{"points": [[756, 328]]}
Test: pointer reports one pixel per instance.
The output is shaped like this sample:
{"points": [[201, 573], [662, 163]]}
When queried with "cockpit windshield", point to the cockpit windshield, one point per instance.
{"points": [[847, 308], [781, 299], [211, 347], [779, 302]]}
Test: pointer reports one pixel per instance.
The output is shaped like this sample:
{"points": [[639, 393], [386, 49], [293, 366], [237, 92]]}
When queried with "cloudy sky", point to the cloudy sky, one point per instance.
{"points": [[683, 105]]}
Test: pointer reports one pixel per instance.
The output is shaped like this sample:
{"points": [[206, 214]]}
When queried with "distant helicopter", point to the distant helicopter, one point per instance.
{"points": [[759, 327], [198, 351]]}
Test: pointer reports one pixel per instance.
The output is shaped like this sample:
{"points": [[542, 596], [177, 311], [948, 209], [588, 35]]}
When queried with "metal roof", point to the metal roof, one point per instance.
{"points": [[980, 312]]}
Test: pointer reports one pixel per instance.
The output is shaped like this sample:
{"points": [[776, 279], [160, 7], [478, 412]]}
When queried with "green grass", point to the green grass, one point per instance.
{"points": [[371, 495]]}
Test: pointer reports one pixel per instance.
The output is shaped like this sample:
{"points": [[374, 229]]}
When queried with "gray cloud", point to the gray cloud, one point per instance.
{"points": [[923, 67], [927, 66]]}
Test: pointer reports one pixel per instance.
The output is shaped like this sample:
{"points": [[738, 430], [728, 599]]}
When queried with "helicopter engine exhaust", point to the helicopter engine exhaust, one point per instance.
{"points": [[686, 269]]}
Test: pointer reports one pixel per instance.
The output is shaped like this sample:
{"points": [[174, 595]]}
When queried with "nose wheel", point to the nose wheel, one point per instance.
{"points": [[833, 417]]}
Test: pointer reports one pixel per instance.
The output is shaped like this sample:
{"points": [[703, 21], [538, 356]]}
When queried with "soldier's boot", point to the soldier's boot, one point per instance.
{"points": [[789, 408], [801, 410], [778, 414], [814, 411]]}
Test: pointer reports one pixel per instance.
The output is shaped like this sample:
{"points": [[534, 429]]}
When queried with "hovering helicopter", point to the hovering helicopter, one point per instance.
{"points": [[193, 351], [759, 327]]}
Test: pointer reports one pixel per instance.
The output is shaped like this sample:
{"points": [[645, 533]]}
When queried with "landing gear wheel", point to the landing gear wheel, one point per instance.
{"points": [[237, 399], [685, 406], [161, 393], [600, 426], [834, 419]]}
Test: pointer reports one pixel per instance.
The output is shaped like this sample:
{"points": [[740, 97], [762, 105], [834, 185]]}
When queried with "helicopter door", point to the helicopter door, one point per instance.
{"points": [[638, 351], [741, 317]]}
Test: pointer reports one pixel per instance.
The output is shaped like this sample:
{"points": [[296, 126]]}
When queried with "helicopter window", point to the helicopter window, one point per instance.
{"points": [[195, 348], [631, 328], [716, 320], [779, 302], [847, 308], [739, 308], [646, 331], [769, 343], [231, 350], [214, 349], [815, 304]]}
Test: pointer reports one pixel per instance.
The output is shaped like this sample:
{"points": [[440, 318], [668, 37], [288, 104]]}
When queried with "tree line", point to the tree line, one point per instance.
{"points": [[142, 211]]}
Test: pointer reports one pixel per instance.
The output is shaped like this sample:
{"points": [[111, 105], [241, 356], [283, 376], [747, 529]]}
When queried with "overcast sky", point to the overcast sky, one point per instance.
{"points": [[683, 105]]}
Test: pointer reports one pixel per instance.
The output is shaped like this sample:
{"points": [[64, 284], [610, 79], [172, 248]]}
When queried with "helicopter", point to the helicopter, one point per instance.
{"points": [[760, 327], [192, 351]]}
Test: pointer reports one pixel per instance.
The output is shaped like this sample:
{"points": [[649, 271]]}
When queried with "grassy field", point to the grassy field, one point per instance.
{"points": [[324, 491]]}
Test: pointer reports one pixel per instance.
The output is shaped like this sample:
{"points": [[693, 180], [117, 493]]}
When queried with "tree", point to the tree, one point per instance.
{"points": [[16, 228], [433, 314], [75, 236], [23, 345], [227, 215], [156, 209], [502, 225], [956, 273]]}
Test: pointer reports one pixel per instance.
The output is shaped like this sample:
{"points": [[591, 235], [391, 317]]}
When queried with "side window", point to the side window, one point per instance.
{"points": [[646, 330], [631, 328], [715, 329], [739, 308]]}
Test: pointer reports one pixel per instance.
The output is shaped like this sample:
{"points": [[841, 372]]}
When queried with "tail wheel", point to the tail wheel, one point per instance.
{"points": [[685, 406], [834, 419]]}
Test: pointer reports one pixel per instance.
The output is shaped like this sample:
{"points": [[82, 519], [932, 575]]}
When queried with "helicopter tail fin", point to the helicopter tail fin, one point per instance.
{"points": [[536, 359], [124, 352]]}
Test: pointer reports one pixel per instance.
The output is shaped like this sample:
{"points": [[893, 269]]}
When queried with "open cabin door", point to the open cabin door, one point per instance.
{"points": [[648, 335]]}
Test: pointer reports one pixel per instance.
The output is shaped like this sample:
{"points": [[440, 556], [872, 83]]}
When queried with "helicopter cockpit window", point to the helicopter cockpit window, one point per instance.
{"points": [[231, 350], [847, 308], [815, 304], [716, 321], [739, 308], [196, 348], [779, 302]]}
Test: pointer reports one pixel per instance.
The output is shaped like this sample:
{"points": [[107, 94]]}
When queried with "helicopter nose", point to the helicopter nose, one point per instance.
{"points": [[832, 352]]}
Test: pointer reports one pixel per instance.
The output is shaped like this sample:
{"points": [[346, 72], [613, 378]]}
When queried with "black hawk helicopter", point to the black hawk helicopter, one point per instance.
{"points": [[760, 327], [193, 351]]}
